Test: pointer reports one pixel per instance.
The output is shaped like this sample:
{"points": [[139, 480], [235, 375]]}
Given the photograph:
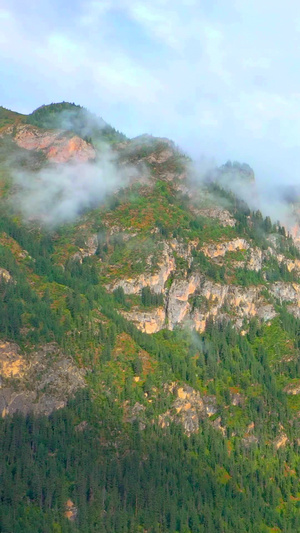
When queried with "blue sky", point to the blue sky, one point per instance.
{"points": [[220, 78]]}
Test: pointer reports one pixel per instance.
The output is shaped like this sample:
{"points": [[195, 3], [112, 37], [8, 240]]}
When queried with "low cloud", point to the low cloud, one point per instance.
{"points": [[60, 193], [280, 202]]}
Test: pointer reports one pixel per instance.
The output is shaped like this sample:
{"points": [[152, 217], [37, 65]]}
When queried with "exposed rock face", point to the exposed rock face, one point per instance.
{"points": [[137, 414], [218, 300], [249, 440], [237, 398], [41, 382], [56, 145], [192, 298], [242, 302], [286, 292], [161, 157], [89, 248], [294, 309], [220, 214], [12, 364], [149, 321], [220, 249], [184, 250], [74, 149], [178, 304], [156, 281], [188, 409], [217, 425], [255, 260], [291, 264]]}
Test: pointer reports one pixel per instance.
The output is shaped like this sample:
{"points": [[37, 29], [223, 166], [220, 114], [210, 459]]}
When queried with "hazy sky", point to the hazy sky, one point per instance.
{"points": [[219, 77]]}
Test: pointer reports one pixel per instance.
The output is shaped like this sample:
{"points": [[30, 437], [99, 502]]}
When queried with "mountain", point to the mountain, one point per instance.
{"points": [[149, 338], [60, 131]]}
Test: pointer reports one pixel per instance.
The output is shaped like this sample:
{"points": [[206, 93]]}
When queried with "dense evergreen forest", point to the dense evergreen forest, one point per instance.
{"points": [[124, 480], [121, 478]]}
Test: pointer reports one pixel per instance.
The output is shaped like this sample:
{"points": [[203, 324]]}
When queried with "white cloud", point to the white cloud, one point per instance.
{"points": [[214, 77]]}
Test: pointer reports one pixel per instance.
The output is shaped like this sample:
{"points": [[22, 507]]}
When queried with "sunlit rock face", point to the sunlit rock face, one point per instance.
{"points": [[57, 146], [147, 321], [220, 249]]}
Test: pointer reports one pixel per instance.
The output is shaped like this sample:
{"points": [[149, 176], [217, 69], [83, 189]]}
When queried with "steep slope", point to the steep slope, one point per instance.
{"points": [[158, 328]]}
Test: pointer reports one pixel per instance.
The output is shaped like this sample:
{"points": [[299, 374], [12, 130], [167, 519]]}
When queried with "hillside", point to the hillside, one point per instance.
{"points": [[149, 338], [9, 117]]}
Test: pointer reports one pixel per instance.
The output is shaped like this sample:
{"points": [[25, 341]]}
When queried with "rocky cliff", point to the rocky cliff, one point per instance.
{"points": [[190, 298]]}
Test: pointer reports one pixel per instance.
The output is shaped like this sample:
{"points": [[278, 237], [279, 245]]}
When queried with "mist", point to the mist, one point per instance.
{"points": [[59, 193], [278, 200], [72, 118]]}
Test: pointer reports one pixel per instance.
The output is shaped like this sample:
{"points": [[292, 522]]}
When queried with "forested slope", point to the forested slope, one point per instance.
{"points": [[149, 345]]}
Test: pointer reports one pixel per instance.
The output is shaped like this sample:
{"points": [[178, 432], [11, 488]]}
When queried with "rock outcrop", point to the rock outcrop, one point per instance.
{"points": [[71, 510], [188, 408], [217, 300], [193, 298], [5, 275], [178, 299], [220, 214], [157, 280], [58, 146], [40, 383], [280, 441], [220, 249], [89, 248], [149, 321], [286, 292]]}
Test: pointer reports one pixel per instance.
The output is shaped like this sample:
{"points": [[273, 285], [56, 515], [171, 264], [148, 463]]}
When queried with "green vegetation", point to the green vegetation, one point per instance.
{"points": [[8, 117], [133, 481], [150, 299], [74, 118]]}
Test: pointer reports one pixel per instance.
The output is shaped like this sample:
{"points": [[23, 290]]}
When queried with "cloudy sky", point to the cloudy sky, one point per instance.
{"points": [[219, 77]]}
